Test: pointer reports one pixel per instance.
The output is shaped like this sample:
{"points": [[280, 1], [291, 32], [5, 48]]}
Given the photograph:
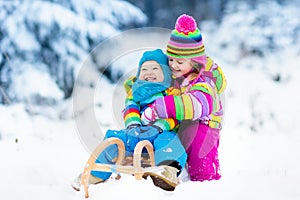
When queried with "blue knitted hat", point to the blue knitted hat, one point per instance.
{"points": [[162, 59]]}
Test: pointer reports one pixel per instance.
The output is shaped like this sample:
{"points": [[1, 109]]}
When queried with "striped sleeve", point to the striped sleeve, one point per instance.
{"points": [[131, 113], [193, 105], [166, 124]]}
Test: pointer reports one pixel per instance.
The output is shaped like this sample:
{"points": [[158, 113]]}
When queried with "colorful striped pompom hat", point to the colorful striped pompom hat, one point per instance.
{"points": [[186, 40]]}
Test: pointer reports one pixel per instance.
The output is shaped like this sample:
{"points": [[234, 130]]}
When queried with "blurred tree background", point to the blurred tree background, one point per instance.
{"points": [[163, 13], [52, 50]]}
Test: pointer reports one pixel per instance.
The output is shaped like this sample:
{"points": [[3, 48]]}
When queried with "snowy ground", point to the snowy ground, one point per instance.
{"points": [[48, 154]]}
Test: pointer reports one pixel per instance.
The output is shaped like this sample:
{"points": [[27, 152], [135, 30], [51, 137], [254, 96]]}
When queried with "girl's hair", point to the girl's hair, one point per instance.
{"points": [[199, 67]]}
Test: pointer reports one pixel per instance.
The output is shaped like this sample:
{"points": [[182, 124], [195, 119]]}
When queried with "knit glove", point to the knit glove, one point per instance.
{"points": [[149, 132], [149, 115], [132, 137]]}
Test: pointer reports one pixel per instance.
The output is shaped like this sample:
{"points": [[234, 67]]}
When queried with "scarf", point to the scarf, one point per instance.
{"points": [[143, 91]]}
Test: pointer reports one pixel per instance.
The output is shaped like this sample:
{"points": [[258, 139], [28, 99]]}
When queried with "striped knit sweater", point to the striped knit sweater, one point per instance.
{"points": [[132, 111], [199, 100]]}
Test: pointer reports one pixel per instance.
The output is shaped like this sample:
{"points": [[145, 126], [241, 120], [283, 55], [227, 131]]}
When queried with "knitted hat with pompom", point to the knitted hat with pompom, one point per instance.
{"points": [[186, 40]]}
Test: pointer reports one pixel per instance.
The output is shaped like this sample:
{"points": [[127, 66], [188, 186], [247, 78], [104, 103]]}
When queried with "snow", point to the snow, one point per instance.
{"points": [[42, 148], [59, 35], [33, 82]]}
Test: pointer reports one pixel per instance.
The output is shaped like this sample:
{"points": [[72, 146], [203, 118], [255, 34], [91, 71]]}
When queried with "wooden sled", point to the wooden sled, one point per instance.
{"points": [[129, 165]]}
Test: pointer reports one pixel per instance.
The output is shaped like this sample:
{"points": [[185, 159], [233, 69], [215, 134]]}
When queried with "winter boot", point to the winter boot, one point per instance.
{"points": [[92, 180], [168, 180]]}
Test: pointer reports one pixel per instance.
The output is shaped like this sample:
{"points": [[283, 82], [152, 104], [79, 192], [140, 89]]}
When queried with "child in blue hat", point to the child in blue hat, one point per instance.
{"points": [[153, 80]]}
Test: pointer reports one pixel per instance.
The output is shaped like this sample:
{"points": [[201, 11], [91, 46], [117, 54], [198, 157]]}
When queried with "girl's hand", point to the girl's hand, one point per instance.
{"points": [[149, 115]]}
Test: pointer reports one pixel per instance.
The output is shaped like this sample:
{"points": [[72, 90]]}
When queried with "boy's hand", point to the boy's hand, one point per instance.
{"points": [[137, 133]]}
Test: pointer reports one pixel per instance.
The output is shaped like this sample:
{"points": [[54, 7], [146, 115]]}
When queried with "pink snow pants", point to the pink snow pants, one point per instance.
{"points": [[201, 143]]}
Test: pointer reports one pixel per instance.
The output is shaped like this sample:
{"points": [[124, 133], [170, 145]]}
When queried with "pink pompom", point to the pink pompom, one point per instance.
{"points": [[185, 24]]}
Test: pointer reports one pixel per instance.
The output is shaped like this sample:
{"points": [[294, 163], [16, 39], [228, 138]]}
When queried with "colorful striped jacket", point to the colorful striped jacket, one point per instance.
{"points": [[199, 100], [214, 72], [132, 111]]}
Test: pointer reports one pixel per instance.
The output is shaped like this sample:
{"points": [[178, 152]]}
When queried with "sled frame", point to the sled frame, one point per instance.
{"points": [[122, 163]]}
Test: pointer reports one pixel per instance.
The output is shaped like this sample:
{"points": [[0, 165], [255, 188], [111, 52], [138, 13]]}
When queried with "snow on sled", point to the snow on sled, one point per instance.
{"points": [[136, 165]]}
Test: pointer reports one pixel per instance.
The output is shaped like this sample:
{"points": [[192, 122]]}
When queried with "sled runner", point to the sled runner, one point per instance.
{"points": [[137, 165]]}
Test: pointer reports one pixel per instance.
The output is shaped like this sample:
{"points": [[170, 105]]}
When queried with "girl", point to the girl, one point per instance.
{"points": [[198, 107]]}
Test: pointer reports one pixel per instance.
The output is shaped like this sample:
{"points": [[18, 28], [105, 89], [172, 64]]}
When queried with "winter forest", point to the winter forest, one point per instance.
{"points": [[62, 67]]}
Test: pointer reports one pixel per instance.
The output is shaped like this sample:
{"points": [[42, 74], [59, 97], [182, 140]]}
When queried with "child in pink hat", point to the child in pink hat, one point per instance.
{"points": [[199, 107]]}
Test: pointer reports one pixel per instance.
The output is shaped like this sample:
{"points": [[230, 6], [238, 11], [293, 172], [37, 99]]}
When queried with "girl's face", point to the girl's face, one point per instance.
{"points": [[180, 66], [151, 71]]}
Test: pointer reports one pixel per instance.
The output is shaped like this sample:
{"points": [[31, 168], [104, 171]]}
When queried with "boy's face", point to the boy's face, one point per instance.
{"points": [[151, 71], [180, 66]]}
